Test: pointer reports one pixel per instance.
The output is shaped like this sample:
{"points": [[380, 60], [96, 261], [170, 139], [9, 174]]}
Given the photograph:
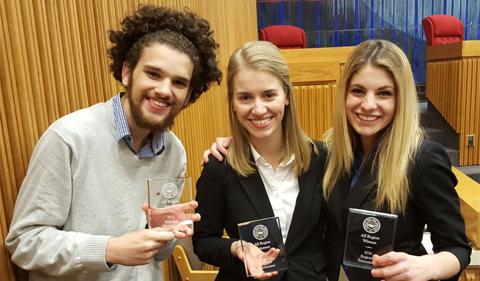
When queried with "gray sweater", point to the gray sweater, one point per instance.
{"points": [[83, 187]]}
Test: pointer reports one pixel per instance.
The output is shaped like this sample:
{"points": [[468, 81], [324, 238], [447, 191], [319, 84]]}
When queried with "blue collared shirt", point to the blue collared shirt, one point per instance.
{"points": [[152, 148], [357, 168]]}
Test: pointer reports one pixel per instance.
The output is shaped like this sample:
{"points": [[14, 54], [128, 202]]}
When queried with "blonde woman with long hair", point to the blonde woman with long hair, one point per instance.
{"points": [[379, 159], [272, 170]]}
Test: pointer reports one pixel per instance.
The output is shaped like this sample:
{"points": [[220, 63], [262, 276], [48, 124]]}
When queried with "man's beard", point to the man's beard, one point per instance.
{"points": [[141, 120]]}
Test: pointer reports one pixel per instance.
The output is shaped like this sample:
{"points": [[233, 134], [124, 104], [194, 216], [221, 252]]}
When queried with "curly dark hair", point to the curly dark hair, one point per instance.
{"points": [[183, 31]]}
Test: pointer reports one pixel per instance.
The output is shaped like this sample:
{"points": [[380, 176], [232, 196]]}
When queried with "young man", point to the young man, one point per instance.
{"points": [[78, 215]]}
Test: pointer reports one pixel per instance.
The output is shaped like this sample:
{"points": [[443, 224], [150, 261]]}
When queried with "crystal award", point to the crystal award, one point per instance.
{"points": [[368, 233], [262, 245], [164, 195]]}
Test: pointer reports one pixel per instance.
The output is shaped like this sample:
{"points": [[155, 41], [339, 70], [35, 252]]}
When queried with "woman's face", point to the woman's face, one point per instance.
{"points": [[370, 103], [259, 103]]}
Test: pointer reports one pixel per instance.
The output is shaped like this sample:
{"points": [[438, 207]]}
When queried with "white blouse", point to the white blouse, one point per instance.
{"points": [[282, 188]]}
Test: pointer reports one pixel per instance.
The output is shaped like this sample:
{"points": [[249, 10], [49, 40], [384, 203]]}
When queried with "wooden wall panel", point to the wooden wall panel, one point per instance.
{"points": [[452, 86], [54, 61], [470, 111], [315, 66], [6, 194], [470, 274], [446, 104], [314, 106], [314, 73]]}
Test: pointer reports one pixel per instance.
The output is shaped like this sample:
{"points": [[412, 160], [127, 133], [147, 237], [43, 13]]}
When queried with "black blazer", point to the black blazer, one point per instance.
{"points": [[226, 199], [432, 201]]}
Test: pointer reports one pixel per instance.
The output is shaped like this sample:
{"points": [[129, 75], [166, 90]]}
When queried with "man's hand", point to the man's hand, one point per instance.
{"points": [[218, 149], [137, 248], [177, 218]]}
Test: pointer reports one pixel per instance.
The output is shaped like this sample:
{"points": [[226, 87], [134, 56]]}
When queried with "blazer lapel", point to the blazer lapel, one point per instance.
{"points": [[337, 202], [363, 188], [255, 190], [343, 197], [303, 205]]}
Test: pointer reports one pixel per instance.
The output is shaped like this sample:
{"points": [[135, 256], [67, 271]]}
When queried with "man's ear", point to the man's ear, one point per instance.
{"points": [[126, 74]]}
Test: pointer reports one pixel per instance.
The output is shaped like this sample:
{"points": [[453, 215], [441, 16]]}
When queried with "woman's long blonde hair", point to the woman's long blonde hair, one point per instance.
{"points": [[264, 56], [399, 142]]}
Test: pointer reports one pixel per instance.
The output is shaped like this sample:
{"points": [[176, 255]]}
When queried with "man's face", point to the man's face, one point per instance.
{"points": [[158, 87]]}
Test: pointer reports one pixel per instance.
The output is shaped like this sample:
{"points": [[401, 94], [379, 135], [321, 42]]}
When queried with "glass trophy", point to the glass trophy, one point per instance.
{"points": [[262, 245], [164, 195], [368, 233]]}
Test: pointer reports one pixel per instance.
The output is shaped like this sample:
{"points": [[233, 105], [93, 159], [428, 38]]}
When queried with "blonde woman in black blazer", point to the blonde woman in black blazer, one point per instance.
{"points": [[264, 123], [379, 160]]}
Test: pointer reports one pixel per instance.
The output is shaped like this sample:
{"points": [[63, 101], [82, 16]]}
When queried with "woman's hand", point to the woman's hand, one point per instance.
{"points": [[256, 258], [218, 149], [396, 266]]}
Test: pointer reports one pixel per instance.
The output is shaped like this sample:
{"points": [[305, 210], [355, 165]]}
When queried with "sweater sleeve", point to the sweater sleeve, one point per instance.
{"points": [[36, 239], [434, 192], [208, 243]]}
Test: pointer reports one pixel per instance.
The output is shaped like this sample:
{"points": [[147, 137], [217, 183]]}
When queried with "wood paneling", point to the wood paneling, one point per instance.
{"points": [[314, 106], [315, 66], [314, 73], [469, 48], [469, 194], [453, 87], [54, 61], [470, 274]]}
